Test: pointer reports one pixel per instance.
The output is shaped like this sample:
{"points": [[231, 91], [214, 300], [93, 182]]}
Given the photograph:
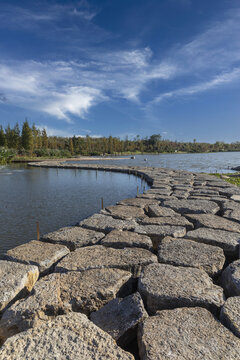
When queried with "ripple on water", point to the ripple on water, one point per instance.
{"points": [[55, 198]]}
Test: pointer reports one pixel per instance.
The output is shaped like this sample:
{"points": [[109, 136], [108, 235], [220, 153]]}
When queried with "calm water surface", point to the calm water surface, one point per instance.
{"points": [[210, 163], [55, 198], [63, 197]]}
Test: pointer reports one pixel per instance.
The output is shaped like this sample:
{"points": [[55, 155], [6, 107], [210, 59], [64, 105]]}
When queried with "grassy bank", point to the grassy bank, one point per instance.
{"points": [[231, 178], [23, 156]]}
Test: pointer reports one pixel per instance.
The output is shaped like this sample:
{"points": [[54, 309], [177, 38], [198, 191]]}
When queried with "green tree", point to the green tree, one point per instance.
{"points": [[27, 137], [81, 145], [70, 146], [44, 139], [16, 137], [39, 139], [75, 143], [2, 137], [9, 137], [110, 145], [35, 137], [88, 145], [126, 144], [154, 142]]}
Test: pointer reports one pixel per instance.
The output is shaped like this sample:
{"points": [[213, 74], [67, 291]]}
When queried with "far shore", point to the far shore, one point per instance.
{"points": [[124, 156], [82, 158]]}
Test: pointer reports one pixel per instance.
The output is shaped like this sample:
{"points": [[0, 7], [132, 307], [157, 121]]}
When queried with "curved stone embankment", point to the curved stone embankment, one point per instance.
{"points": [[153, 277]]}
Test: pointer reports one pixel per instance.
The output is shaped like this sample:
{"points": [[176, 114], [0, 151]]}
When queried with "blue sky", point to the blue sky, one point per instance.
{"points": [[122, 67]]}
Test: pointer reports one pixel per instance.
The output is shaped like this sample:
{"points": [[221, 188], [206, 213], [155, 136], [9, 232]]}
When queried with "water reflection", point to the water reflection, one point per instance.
{"points": [[55, 198]]}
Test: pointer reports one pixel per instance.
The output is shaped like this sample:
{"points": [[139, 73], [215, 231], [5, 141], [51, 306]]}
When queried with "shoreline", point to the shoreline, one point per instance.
{"points": [[120, 156], [87, 158], [181, 231]]}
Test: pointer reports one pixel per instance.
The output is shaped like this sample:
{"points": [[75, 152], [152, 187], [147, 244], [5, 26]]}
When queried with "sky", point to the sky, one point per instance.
{"points": [[122, 67]]}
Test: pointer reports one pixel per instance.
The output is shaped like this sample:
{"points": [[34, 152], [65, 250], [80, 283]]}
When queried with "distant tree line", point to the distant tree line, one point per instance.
{"points": [[29, 140]]}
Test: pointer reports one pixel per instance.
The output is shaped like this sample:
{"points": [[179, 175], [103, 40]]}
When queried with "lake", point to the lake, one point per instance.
{"points": [[55, 198], [206, 162], [58, 198]]}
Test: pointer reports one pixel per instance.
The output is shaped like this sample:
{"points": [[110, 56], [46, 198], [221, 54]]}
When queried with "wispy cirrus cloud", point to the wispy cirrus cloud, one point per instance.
{"points": [[44, 14], [70, 88], [209, 61], [216, 48], [65, 88], [14, 79], [217, 81], [66, 25]]}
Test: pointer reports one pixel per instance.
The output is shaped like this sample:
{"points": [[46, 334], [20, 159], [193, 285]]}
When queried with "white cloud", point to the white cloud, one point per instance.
{"points": [[55, 132], [125, 59], [65, 133], [208, 61], [12, 16], [218, 47], [76, 101], [215, 49], [66, 89], [13, 79], [83, 14], [201, 87]]}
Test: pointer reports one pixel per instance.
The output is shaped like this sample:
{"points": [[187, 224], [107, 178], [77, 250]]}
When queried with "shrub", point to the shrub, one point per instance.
{"points": [[6, 155]]}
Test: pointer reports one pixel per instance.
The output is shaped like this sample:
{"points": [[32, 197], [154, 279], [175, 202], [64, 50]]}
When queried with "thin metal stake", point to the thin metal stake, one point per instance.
{"points": [[102, 202], [38, 231]]}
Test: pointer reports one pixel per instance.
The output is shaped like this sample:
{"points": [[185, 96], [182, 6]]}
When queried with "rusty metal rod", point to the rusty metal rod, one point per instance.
{"points": [[38, 231]]}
